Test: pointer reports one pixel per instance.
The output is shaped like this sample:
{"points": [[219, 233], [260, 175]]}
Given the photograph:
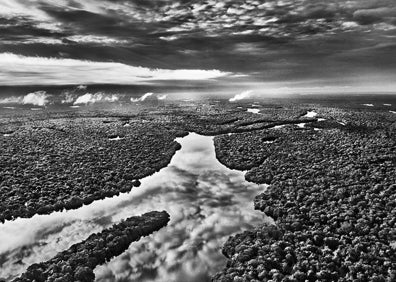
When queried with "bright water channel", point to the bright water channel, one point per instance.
{"points": [[207, 203]]}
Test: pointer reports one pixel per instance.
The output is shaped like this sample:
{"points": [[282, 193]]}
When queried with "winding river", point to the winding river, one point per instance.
{"points": [[207, 203]]}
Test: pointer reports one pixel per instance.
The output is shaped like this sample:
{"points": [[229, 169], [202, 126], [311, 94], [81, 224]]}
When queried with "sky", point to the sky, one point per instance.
{"points": [[273, 45]]}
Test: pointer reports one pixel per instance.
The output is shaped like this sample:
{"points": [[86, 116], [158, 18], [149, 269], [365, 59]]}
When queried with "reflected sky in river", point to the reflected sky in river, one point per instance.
{"points": [[207, 203]]}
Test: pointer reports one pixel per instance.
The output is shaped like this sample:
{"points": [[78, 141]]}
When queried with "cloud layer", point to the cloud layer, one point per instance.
{"points": [[337, 41], [76, 96], [34, 70]]}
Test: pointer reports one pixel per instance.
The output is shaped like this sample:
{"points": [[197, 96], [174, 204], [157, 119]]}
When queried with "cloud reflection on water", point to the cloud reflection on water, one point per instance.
{"points": [[207, 203]]}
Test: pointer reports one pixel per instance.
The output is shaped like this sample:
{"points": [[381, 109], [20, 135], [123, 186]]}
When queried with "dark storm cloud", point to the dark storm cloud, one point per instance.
{"points": [[22, 29], [275, 39], [149, 21], [83, 22], [370, 16]]}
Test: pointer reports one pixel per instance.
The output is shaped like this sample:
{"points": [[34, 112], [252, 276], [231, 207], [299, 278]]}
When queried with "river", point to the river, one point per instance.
{"points": [[207, 203]]}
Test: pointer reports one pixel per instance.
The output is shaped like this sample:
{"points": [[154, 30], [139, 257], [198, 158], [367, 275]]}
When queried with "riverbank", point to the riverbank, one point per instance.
{"points": [[77, 263], [332, 195]]}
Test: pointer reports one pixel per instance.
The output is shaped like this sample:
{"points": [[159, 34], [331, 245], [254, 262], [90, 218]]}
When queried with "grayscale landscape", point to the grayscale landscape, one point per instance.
{"points": [[181, 141]]}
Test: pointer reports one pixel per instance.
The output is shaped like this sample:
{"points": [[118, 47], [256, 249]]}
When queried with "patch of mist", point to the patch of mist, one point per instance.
{"points": [[162, 97], [141, 99], [253, 111], [311, 114], [241, 96], [89, 98]]}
